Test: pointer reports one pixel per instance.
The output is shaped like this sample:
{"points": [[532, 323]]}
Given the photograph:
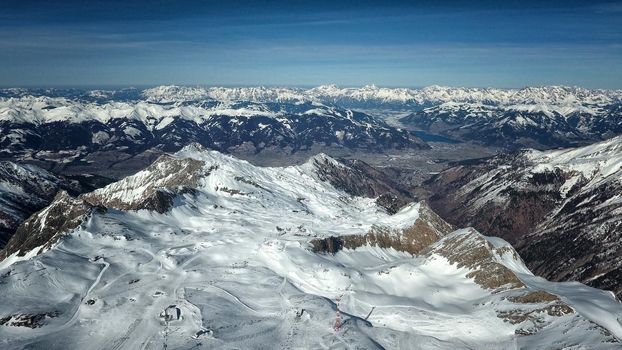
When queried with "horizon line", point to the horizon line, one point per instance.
{"points": [[116, 87]]}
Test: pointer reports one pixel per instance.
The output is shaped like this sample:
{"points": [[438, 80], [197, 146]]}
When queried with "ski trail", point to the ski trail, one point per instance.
{"points": [[119, 342], [234, 297], [76, 311], [98, 279]]}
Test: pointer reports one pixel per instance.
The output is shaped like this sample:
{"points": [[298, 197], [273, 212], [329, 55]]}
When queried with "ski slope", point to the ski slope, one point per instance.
{"points": [[230, 266]]}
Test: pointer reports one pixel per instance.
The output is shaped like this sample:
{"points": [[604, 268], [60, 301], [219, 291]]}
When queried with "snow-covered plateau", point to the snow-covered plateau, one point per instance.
{"points": [[201, 250]]}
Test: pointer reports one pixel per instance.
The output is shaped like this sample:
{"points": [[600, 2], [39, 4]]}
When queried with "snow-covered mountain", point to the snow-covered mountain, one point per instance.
{"points": [[378, 96], [562, 208], [69, 130], [522, 125], [541, 117], [431, 95], [203, 250]]}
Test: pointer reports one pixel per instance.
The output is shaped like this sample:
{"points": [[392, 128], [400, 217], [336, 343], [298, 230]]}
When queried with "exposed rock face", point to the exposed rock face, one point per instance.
{"points": [[561, 209], [426, 230], [358, 178], [531, 311], [534, 297], [28, 320], [464, 194], [430, 236], [45, 227], [535, 316], [468, 248], [25, 189], [153, 188]]}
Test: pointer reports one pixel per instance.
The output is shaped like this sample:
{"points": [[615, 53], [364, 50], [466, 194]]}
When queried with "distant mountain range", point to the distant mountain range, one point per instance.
{"points": [[522, 125], [71, 128], [551, 96], [539, 117]]}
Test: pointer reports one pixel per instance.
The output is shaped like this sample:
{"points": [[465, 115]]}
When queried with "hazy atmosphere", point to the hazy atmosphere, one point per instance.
{"points": [[410, 43]]}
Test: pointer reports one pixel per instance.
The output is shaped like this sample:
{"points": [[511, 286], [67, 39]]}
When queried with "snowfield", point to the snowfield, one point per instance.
{"points": [[230, 266]]}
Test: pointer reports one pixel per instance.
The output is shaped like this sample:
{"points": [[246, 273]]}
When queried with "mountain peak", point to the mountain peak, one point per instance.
{"points": [[245, 239], [322, 158]]}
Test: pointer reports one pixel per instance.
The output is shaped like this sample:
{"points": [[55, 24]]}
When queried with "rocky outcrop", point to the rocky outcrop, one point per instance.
{"points": [[153, 188], [533, 309], [358, 178], [427, 229], [469, 249], [28, 320], [430, 236], [45, 227], [25, 189]]}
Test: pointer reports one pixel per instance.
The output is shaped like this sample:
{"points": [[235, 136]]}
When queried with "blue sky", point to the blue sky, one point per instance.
{"points": [[349, 43]]}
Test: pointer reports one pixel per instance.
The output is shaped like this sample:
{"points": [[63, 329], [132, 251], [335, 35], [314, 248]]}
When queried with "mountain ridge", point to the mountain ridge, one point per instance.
{"points": [[231, 264], [561, 208], [541, 117]]}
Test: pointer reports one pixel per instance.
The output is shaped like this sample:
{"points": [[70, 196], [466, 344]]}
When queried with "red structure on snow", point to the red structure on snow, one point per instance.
{"points": [[338, 322]]}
